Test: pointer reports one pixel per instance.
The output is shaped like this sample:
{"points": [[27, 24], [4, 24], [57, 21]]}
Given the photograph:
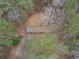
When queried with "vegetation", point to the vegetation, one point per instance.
{"points": [[10, 41], [11, 4], [72, 26], [8, 29], [72, 18], [43, 48]]}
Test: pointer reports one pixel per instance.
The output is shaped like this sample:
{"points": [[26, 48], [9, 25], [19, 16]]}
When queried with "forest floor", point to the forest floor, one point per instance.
{"points": [[40, 46]]}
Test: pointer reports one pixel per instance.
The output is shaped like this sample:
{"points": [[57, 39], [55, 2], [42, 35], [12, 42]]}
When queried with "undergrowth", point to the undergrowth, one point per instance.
{"points": [[72, 22], [43, 48], [72, 18], [8, 29]]}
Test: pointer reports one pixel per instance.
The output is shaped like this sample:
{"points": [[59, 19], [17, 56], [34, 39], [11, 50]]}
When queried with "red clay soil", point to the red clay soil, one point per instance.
{"points": [[21, 29], [35, 20]]}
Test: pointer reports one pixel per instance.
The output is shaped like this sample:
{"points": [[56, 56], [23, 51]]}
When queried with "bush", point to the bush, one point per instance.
{"points": [[72, 18], [13, 41]]}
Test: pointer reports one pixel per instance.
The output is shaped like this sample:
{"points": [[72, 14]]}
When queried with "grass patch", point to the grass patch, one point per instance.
{"points": [[10, 41], [72, 22], [43, 48], [72, 17], [7, 27], [11, 4]]}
